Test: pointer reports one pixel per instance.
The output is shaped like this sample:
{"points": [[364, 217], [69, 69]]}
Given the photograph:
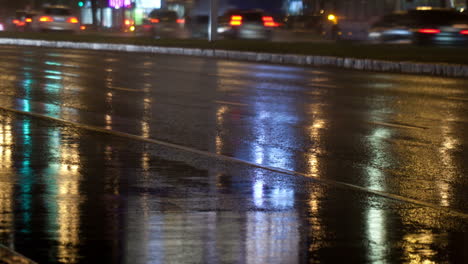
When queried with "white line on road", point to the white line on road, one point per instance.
{"points": [[395, 125], [323, 85], [230, 103], [125, 89], [458, 98], [339, 184]]}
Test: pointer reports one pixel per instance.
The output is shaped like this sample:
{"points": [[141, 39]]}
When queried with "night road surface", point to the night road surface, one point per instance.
{"points": [[112, 157]]}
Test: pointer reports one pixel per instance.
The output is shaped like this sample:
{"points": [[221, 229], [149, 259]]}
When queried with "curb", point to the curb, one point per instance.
{"points": [[436, 69]]}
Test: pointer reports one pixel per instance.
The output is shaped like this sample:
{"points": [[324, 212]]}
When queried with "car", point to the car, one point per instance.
{"points": [[163, 24], [323, 24], [246, 24], [424, 25], [21, 21], [56, 18], [441, 27]]}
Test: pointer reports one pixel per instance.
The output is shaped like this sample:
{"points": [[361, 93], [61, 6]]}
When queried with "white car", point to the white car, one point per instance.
{"points": [[56, 18]]}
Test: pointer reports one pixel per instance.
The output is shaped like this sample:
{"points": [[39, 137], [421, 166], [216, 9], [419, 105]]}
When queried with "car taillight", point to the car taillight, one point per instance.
{"points": [[464, 32], [429, 31], [46, 19], [154, 20], [28, 20], [236, 21], [73, 20], [18, 22], [269, 22], [181, 21]]}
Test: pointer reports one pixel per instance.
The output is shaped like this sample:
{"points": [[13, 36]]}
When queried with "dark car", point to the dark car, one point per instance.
{"points": [[163, 23], [21, 21], [323, 24], [254, 24], [440, 27], [422, 26]]}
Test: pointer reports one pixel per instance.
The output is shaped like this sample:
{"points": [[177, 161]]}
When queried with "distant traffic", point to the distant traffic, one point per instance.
{"points": [[421, 25]]}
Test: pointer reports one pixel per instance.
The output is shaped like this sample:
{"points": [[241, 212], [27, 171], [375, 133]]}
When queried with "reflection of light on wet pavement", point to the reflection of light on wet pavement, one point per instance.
{"points": [[146, 119], [449, 144], [316, 229], [220, 116], [258, 193], [68, 201], [379, 159], [377, 234], [6, 141], [376, 220], [315, 130], [417, 247], [6, 182], [272, 237], [108, 122]]}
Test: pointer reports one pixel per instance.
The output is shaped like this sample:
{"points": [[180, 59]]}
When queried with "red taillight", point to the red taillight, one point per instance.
{"points": [[464, 32], [46, 19], [181, 21], [429, 31], [18, 22], [28, 20], [268, 21], [236, 21], [154, 20], [83, 27], [73, 20], [270, 24]]}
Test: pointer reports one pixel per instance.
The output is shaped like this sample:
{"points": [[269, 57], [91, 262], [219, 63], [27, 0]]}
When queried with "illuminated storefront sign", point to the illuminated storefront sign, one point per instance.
{"points": [[139, 3], [119, 3], [148, 3]]}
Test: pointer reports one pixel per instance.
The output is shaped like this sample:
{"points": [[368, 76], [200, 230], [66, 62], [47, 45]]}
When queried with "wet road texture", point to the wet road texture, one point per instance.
{"points": [[112, 157]]}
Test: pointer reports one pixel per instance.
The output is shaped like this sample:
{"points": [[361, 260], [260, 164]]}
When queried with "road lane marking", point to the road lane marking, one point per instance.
{"points": [[338, 184], [125, 89], [8, 255], [396, 125], [457, 98], [323, 85], [230, 103]]}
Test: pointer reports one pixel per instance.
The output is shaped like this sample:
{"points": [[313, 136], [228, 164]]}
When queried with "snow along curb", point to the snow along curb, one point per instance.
{"points": [[439, 69]]}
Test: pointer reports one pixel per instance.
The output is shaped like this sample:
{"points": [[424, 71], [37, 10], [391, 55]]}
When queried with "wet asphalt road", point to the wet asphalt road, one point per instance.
{"points": [[270, 164]]}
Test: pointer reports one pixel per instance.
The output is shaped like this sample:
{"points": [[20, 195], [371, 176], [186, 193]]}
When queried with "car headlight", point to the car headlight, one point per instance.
{"points": [[375, 34]]}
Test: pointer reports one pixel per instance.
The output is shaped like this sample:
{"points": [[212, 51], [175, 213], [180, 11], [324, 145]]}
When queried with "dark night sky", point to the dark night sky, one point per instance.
{"points": [[272, 6]]}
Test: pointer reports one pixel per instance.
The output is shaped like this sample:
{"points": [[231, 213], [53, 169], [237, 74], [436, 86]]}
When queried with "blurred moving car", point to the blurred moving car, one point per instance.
{"points": [[422, 26], [319, 24], [21, 21], [163, 23], [250, 24], [56, 18]]}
